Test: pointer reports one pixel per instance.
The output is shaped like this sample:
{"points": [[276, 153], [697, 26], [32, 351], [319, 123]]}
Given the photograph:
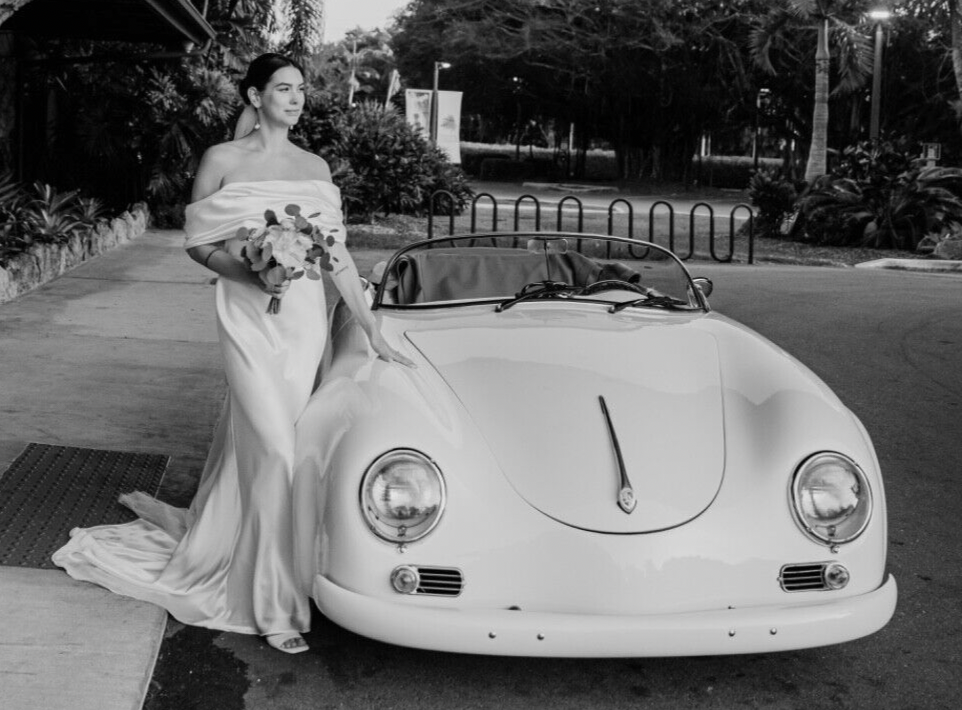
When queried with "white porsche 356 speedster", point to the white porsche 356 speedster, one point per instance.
{"points": [[587, 461]]}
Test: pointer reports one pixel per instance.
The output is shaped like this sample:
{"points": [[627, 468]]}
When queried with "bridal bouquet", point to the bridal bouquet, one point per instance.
{"points": [[287, 249]]}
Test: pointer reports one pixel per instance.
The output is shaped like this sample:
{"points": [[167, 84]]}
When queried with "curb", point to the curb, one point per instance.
{"points": [[939, 266], [567, 187]]}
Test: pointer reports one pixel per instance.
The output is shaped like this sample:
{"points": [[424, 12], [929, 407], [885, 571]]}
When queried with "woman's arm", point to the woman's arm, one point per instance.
{"points": [[218, 260], [348, 283], [210, 174]]}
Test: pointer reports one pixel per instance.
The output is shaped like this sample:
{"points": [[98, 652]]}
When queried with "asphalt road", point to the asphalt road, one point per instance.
{"points": [[890, 344]]}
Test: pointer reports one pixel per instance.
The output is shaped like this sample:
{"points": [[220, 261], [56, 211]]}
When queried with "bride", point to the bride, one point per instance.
{"points": [[227, 562]]}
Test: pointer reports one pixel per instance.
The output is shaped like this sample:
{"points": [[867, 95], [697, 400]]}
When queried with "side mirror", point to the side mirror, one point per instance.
{"points": [[704, 285], [377, 272]]}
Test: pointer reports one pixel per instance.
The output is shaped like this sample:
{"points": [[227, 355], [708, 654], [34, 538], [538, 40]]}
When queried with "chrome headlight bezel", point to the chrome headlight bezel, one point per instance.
{"points": [[401, 533], [853, 525]]}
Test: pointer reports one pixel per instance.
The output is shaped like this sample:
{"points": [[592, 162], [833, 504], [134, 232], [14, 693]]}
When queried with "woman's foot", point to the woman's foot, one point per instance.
{"points": [[287, 641]]}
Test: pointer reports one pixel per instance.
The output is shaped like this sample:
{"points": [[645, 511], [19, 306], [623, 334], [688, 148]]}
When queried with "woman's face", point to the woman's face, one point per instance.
{"points": [[282, 100]]}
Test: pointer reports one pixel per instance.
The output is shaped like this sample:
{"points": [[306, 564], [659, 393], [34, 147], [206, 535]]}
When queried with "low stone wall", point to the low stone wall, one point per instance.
{"points": [[43, 262]]}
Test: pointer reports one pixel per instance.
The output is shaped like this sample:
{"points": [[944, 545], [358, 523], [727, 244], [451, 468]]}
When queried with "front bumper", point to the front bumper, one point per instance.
{"points": [[505, 632]]}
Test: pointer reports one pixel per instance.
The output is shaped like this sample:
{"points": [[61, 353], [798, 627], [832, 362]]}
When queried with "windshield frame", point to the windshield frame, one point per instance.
{"points": [[378, 300]]}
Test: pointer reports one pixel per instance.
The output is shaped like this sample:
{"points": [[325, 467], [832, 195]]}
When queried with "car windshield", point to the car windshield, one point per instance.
{"points": [[513, 268]]}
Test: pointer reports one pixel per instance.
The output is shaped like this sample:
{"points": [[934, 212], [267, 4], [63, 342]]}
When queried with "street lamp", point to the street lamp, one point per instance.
{"points": [[878, 16], [438, 66], [762, 100]]}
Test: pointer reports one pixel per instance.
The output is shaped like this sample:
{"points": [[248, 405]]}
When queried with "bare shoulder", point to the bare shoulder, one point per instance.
{"points": [[314, 166], [216, 162]]}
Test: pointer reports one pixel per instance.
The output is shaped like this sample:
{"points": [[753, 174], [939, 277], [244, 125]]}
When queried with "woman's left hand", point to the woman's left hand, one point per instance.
{"points": [[386, 352]]}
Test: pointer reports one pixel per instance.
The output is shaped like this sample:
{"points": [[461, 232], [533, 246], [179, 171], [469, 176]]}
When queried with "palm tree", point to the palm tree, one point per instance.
{"points": [[784, 25], [249, 27], [305, 20], [955, 20]]}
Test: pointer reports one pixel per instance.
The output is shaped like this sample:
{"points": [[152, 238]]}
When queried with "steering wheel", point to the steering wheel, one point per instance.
{"points": [[611, 285]]}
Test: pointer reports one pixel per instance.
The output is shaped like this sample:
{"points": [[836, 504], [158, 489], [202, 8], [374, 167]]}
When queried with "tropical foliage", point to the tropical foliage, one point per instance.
{"points": [[356, 68], [383, 166], [880, 196], [774, 199], [40, 214], [647, 79], [187, 111]]}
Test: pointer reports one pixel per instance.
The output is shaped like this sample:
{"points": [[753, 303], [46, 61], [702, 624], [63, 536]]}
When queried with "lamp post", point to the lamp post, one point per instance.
{"points": [[438, 66], [762, 99], [878, 16]]}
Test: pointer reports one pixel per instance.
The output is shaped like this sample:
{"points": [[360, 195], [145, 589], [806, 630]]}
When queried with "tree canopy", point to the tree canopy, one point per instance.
{"points": [[650, 76]]}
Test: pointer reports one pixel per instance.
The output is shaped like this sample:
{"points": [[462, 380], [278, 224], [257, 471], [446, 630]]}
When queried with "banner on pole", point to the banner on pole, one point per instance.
{"points": [[417, 109], [449, 124]]}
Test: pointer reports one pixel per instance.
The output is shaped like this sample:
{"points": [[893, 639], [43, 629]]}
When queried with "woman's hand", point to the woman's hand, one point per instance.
{"points": [[270, 283], [386, 352]]}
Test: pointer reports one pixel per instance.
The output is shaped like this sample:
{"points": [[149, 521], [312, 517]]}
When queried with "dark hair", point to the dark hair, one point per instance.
{"points": [[260, 71]]}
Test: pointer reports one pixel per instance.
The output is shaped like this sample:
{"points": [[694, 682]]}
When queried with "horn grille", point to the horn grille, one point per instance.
{"points": [[440, 581], [803, 577]]}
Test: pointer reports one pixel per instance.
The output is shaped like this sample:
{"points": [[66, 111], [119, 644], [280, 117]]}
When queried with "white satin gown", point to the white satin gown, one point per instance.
{"points": [[228, 562]]}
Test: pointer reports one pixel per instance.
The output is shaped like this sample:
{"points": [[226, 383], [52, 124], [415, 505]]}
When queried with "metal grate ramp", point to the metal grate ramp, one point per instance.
{"points": [[49, 490]]}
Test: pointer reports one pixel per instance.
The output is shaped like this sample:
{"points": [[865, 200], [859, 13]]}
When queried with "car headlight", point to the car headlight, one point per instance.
{"points": [[831, 497], [402, 495]]}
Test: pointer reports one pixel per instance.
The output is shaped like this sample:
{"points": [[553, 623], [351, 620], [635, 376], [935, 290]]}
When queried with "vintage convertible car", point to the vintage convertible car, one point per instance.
{"points": [[587, 461]]}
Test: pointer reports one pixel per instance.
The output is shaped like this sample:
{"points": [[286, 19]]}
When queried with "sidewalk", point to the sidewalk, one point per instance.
{"points": [[121, 353]]}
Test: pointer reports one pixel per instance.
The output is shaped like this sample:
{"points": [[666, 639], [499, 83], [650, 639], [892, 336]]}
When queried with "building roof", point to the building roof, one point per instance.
{"points": [[156, 21]]}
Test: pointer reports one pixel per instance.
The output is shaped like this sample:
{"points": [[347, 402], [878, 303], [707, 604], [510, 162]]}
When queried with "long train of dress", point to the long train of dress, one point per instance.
{"points": [[228, 562]]}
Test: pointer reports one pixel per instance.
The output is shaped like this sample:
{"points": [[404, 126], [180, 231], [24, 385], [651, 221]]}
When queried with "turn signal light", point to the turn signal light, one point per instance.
{"points": [[836, 575], [405, 579]]}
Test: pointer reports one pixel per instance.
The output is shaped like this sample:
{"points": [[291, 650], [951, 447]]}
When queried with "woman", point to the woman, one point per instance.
{"points": [[226, 563]]}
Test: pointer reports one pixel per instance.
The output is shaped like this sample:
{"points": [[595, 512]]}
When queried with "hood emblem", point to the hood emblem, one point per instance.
{"points": [[626, 495]]}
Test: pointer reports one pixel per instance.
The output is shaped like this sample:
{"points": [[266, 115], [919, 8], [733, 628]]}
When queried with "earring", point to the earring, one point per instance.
{"points": [[257, 125]]}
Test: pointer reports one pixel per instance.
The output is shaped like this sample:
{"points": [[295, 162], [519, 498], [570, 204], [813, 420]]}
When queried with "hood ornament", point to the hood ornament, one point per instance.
{"points": [[626, 496]]}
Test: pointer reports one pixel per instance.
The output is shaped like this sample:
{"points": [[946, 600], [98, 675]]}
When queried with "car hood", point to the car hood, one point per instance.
{"points": [[533, 389]]}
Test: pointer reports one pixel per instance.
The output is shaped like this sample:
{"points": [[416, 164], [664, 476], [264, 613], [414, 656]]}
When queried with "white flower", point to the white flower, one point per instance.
{"points": [[288, 246]]}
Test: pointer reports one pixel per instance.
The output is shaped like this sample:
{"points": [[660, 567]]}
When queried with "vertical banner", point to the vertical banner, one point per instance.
{"points": [[449, 124], [417, 109]]}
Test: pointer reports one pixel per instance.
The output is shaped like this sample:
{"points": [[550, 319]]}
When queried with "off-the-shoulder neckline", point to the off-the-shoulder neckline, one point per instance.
{"points": [[262, 182]]}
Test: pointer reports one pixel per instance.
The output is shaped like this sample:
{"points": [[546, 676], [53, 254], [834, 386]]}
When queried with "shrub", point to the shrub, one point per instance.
{"points": [[319, 124], [186, 111], [729, 171], [481, 161], [475, 155], [882, 197], [12, 223], [774, 197], [41, 214], [384, 166]]}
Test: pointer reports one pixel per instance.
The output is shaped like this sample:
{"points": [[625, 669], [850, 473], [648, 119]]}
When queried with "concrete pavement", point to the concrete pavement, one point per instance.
{"points": [[120, 353]]}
